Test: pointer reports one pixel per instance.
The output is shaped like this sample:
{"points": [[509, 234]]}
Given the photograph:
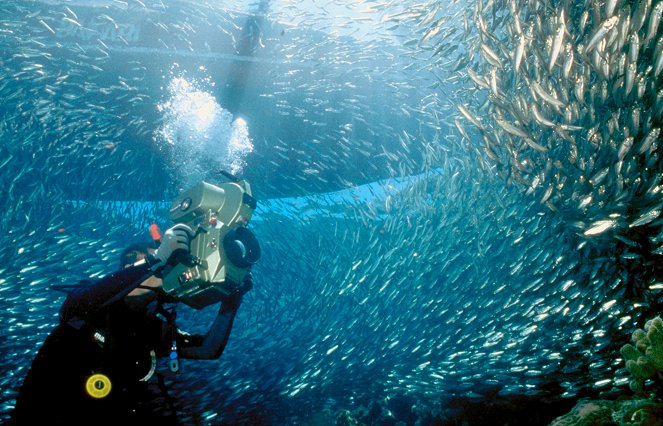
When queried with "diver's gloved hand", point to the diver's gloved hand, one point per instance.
{"points": [[173, 248], [234, 299], [247, 283]]}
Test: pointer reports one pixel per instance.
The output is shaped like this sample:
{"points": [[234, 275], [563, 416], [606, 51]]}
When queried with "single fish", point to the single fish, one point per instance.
{"points": [[557, 42], [600, 227], [601, 32], [540, 92], [640, 15], [519, 52], [540, 118], [654, 21], [45, 25]]}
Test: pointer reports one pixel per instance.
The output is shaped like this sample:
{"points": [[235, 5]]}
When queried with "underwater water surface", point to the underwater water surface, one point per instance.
{"points": [[459, 203]]}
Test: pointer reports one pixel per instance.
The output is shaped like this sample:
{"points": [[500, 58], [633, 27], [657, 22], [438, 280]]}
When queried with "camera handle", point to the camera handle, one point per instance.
{"points": [[186, 258]]}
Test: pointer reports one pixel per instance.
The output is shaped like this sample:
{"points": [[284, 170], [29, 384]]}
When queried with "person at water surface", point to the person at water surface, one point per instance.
{"points": [[98, 365]]}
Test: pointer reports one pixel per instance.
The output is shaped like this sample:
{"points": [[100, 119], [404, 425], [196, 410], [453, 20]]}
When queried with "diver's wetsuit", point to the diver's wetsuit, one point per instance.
{"points": [[112, 339]]}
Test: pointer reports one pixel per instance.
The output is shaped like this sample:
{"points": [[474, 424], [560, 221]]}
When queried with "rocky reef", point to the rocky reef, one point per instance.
{"points": [[644, 360]]}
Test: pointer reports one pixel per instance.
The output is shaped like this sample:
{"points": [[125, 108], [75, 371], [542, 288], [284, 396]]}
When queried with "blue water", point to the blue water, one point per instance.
{"points": [[403, 278]]}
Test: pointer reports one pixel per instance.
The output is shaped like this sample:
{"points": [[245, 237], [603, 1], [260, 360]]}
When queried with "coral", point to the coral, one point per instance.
{"points": [[637, 412], [588, 413], [345, 418], [645, 359]]}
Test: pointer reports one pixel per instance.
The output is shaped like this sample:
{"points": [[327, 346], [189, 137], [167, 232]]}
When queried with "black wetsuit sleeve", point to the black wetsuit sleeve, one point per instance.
{"points": [[211, 345], [87, 301]]}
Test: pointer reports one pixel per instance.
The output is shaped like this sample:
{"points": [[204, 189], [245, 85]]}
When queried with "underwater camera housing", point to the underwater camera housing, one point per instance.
{"points": [[223, 250]]}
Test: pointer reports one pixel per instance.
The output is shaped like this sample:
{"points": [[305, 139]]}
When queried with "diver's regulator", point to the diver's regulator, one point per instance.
{"points": [[223, 250]]}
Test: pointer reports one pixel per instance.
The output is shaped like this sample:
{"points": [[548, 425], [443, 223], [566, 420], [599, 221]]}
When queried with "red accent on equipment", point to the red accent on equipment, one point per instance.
{"points": [[155, 233]]}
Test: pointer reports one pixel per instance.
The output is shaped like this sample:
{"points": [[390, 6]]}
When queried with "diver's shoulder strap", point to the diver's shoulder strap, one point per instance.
{"points": [[69, 288], [86, 301]]}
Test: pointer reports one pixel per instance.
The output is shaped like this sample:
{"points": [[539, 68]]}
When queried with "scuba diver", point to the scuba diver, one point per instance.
{"points": [[97, 366]]}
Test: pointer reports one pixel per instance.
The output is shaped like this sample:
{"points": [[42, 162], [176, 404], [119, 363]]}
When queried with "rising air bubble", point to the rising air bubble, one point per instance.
{"points": [[239, 146], [200, 135]]}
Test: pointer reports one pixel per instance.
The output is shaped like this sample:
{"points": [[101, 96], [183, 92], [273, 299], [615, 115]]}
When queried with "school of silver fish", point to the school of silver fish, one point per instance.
{"points": [[513, 240]]}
